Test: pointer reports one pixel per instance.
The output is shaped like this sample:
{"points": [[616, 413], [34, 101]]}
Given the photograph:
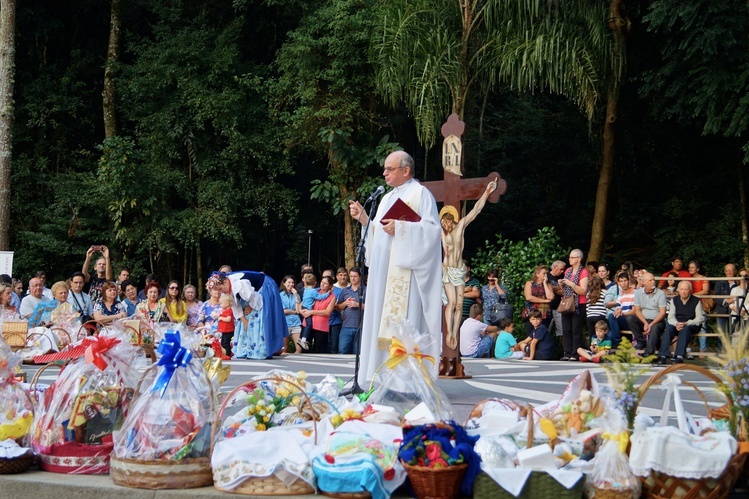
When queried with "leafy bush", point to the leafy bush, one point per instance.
{"points": [[516, 260]]}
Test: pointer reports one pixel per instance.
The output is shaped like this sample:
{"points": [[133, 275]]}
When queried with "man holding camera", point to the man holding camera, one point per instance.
{"points": [[102, 271]]}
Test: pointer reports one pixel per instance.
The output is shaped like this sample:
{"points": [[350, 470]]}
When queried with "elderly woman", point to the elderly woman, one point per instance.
{"points": [[493, 294], [575, 284], [538, 295], [108, 309], [241, 286], [152, 309], [56, 310]]}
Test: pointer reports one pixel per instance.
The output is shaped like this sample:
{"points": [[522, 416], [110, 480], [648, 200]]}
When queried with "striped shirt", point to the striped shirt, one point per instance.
{"points": [[597, 309], [626, 301]]}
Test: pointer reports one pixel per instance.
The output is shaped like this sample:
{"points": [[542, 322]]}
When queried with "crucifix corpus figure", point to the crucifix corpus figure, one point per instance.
{"points": [[452, 191], [453, 268]]}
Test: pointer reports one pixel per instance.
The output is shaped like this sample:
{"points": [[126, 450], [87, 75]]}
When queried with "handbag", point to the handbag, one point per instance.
{"points": [[502, 311], [567, 305], [708, 304]]}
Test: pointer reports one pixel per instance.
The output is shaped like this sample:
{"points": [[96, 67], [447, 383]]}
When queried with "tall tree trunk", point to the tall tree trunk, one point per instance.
{"points": [[113, 53], [743, 208], [620, 25], [604, 180], [7, 74]]}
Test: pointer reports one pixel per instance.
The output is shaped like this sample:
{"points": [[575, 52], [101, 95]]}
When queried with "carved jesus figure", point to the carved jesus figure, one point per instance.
{"points": [[453, 269]]}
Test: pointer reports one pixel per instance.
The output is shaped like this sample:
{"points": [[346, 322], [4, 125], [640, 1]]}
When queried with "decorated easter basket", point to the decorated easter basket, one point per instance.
{"points": [[164, 441], [95, 392], [18, 413], [265, 485], [158, 474], [662, 486], [540, 485]]}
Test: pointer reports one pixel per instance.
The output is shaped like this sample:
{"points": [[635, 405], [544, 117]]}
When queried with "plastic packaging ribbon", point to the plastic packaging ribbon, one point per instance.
{"points": [[173, 355], [622, 438], [398, 354], [96, 347]]}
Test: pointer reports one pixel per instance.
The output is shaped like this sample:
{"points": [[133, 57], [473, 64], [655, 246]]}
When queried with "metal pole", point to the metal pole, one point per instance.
{"points": [[309, 246]]}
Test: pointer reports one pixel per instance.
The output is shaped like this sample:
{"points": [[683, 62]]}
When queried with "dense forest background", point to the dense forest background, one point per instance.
{"points": [[239, 127]]}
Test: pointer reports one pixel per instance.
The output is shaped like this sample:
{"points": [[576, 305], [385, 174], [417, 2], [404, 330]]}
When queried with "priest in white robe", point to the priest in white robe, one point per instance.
{"points": [[404, 260]]}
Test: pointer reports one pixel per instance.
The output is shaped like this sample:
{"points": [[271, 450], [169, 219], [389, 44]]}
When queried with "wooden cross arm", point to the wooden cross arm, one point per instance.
{"points": [[464, 189]]}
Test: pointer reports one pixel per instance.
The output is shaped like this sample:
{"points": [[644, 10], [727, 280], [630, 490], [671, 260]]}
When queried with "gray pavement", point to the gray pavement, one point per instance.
{"points": [[531, 382]]}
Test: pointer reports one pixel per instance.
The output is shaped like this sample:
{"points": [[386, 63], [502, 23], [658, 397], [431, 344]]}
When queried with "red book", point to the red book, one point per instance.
{"points": [[401, 211]]}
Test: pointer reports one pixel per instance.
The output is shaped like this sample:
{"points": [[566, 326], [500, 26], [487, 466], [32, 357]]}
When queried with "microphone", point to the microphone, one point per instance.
{"points": [[377, 193]]}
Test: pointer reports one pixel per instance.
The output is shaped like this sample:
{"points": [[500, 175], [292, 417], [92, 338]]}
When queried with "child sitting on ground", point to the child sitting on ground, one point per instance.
{"points": [[538, 345], [599, 345], [506, 346]]}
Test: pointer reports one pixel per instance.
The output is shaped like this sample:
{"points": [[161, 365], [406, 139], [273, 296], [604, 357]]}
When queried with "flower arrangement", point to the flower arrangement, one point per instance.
{"points": [[623, 367], [269, 403], [437, 445], [348, 414], [734, 369]]}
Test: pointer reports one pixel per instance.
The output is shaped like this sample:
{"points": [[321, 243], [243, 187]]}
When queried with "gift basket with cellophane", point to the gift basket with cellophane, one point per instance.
{"points": [[266, 432], [72, 429], [165, 440], [16, 415]]}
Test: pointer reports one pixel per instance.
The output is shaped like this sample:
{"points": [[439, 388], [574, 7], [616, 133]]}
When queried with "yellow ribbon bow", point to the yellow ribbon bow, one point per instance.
{"points": [[622, 438], [398, 354]]}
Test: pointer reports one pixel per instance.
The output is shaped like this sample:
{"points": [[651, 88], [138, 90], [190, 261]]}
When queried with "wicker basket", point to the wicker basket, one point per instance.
{"points": [[436, 483], [540, 485], [17, 464], [613, 493], [268, 485], [161, 474], [14, 334], [347, 495], [662, 486]]}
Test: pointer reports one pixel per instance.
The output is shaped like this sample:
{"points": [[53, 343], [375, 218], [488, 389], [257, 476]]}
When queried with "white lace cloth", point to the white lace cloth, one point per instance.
{"points": [[9, 449], [673, 452]]}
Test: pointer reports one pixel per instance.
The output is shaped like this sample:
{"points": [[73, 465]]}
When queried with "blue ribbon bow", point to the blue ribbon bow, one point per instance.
{"points": [[173, 355]]}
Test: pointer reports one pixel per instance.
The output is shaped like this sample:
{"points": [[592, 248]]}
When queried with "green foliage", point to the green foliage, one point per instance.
{"points": [[703, 73], [515, 261], [129, 188]]}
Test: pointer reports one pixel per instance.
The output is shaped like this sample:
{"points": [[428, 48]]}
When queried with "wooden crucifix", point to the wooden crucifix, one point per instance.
{"points": [[452, 191]]}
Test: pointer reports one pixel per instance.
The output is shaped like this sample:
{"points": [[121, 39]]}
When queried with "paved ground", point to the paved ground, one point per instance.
{"points": [[533, 382]]}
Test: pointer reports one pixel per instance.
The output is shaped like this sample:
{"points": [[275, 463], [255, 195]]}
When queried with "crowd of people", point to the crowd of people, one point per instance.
{"points": [[317, 317], [588, 307], [583, 304]]}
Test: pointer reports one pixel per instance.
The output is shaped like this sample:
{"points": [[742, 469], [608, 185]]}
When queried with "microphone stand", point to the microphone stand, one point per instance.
{"points": [[360, 258]]}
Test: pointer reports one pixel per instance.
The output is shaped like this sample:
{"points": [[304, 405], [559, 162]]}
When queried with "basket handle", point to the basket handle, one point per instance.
{"points": [[217, 420], [660, 375], [38, 374]]}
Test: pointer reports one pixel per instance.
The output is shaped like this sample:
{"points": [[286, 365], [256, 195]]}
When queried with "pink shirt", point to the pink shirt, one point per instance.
{"points": [[322, 322]]}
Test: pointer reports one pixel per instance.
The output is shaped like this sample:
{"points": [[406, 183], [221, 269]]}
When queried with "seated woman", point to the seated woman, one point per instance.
{"points": [[6, 293], [538, 345], [175, 304], [57, 310], [108, 309]]}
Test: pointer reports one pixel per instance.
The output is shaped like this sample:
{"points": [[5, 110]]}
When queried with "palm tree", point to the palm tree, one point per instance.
{"points": [[431, 55]]}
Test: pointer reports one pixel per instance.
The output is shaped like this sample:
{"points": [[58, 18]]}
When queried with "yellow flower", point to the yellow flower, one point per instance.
{"points": [[296, 400], [266, 418], [301, 375], [260, 427], [282, 392]]}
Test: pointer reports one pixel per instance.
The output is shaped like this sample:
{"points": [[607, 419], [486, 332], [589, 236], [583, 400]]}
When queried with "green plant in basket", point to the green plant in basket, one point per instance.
{"points": [[623, 367], [734, 369]]}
